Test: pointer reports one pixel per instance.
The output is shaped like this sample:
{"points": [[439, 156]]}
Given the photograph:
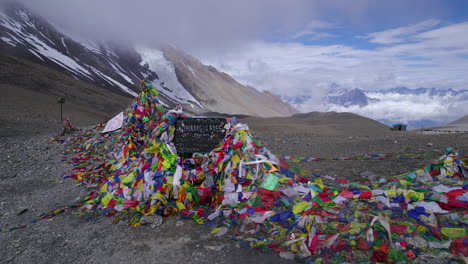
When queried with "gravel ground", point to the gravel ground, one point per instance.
{"points": [[31, 184]]}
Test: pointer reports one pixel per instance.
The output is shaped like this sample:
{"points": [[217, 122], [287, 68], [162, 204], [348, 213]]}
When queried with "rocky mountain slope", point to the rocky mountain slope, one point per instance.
{"points": [[461, 121], [220, 92], [119, 68]]}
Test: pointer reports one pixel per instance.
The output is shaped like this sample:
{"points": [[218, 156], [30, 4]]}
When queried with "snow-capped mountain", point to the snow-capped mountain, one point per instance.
{"points": [[119, 68], [349, 97], [28, 36]]}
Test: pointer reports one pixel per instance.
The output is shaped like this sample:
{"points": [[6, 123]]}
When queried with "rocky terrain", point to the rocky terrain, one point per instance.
{"points": [[31, 183]]}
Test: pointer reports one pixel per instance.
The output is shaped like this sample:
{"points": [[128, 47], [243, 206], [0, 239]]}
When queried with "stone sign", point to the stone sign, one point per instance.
{"points": [[198, 135]]}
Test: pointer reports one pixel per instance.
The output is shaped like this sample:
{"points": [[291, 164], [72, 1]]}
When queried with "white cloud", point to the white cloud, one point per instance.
{"points": [[401, 34]]}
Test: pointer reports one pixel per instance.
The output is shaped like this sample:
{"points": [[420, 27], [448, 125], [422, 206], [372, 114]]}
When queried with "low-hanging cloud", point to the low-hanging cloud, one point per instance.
{"points": [[213, 26], [192, 25], [408, 108]]}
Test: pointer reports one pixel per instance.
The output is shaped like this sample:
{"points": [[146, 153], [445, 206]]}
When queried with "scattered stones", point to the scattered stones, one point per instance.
{"points": [[153, 220], [179, 223], [429, 144]]}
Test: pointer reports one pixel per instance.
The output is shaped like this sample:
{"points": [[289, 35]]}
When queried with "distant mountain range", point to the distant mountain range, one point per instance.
{"points": [[181, 78], [421, 107], [362, 98]]}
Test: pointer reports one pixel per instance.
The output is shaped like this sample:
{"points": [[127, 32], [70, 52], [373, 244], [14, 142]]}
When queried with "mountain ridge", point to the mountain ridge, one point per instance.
{"points": [[460, 121], [120, 69]]}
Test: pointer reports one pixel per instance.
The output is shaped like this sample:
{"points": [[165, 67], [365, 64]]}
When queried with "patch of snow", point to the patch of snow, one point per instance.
{"points": [[10, 23], [35, 54], [65, 45], [121, 73], [166, 72], [23, 15], [87, 44], [135, 75], [14, 38], [8, 41], [25, 18], [47, 38], [193, 72], [114, 82], [40, 47], [110, 51], [56, 56], [118, 66], [93, 47]]}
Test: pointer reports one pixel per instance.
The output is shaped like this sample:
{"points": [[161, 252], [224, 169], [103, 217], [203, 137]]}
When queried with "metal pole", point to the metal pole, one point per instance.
{"points": [[61, 101]]}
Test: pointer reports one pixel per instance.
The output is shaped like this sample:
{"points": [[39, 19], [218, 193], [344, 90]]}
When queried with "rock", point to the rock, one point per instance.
{"points": [[22, 211], [152, 220], [214, 248], [368, 175], [417, 242], [221, 232], [179, 223], [429, 144], [17, 243], [287, 255], [197, 255]]}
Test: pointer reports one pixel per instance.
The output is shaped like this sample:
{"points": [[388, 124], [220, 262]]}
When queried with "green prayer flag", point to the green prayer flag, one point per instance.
{"points": [[271, 182]]}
